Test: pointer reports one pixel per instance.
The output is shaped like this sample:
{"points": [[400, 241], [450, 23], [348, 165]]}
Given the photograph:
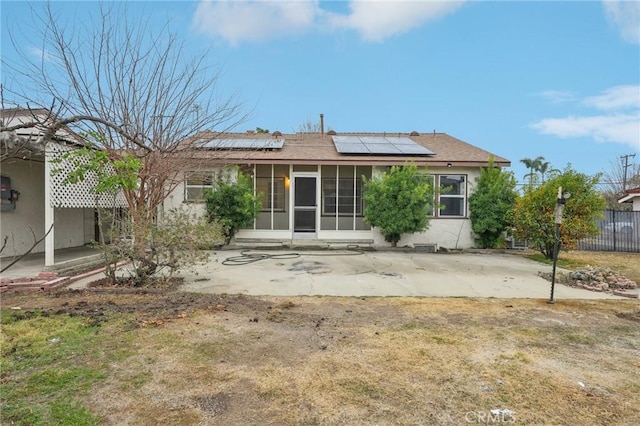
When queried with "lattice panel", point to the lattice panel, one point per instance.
{"points": [[78, 195]]}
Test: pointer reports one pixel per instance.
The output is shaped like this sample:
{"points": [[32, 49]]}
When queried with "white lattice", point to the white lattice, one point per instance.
{"points": [[77, 195]]}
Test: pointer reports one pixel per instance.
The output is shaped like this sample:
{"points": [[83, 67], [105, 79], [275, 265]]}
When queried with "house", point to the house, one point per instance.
{"points": [[631, 196], [312, 183], [34, 202]]}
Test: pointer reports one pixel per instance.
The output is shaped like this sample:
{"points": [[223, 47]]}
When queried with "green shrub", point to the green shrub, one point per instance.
{"points": [[399, 202], [233, 205]]}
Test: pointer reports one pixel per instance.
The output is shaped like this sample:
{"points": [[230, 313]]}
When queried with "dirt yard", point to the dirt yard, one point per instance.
{"points": [[192, 359]]}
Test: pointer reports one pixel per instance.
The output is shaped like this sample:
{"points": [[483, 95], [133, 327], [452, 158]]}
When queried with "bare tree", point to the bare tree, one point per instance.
{"points": [[132, 87], [310, 126]]}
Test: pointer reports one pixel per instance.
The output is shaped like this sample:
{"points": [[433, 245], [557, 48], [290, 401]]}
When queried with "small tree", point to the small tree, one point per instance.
{"points": [[399, 202], [491, 204], [533, 217], [175, 243], [128, 81], [233, 205]]}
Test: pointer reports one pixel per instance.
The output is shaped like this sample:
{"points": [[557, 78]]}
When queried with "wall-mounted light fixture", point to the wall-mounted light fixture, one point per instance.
{"points": [[449, 165]]}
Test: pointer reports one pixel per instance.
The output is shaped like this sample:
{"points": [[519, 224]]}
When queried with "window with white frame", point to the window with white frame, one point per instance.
{"points": [[452, 195], [272, 195], [196, 184], [340, 193]]}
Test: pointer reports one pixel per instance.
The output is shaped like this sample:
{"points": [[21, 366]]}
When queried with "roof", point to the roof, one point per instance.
{"points": [[316, 148], [35, 120], [629, 195], [25, 141], [22, 112]]}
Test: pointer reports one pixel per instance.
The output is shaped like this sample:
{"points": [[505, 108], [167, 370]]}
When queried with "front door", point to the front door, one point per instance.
{"points": [[304, 204]]}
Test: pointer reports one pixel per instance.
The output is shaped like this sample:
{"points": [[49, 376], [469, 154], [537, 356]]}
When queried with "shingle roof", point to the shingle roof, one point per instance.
{"points": [[314, 148]]}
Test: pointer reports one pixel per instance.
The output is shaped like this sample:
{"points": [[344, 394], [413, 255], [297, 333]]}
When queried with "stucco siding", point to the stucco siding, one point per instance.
{"points": [[73, 227], [27, 177], [69, 227]]}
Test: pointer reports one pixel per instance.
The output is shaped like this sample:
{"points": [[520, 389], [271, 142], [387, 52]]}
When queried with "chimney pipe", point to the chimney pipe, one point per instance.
{"points": [[322, 125]]}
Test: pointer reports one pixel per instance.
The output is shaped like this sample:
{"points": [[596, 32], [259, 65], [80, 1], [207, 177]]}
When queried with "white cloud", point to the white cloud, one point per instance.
{"points": [[625, 16], [616, 98], [558, 96], [623, 128], [239, 21], [377, 20], [619, 122], [254, 21]]}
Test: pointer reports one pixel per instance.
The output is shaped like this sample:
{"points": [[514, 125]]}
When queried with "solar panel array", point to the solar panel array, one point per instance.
{"points": [[245, 144], [379, 145]]}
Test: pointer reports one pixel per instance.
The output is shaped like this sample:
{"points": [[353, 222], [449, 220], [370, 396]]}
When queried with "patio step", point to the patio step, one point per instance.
{"points": [[78, 265], [300, 243]]}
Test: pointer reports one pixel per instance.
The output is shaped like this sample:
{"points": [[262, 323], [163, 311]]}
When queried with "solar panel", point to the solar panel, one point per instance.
{"points": [[352, 148], [381, 148], [379, 145], [248, 144]]}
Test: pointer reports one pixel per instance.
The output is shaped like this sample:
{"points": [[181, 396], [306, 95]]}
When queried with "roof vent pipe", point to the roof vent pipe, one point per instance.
{"points": [[322, 125]]}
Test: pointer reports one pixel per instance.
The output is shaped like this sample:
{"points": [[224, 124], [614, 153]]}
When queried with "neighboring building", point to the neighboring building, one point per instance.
{"points": [[631, 196], [312, 183]]}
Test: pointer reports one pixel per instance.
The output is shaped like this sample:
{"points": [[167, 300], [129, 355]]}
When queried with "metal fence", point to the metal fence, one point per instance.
{"points": [[619, 231]]}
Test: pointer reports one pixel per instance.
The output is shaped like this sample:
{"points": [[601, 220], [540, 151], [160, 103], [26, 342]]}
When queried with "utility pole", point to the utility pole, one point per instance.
{"points": [[625, 166]]}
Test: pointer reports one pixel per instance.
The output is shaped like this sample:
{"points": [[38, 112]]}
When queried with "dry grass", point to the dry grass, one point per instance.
{"points": [[628, 264], [379, 361], [194, 359]]}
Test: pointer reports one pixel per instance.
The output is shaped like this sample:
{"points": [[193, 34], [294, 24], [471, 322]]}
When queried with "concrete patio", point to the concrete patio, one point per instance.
{"points": [[32, 264]]}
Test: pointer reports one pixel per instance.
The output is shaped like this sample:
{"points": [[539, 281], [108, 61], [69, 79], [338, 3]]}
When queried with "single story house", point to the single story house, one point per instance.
{"points": [[312, 183], [631, 196]]}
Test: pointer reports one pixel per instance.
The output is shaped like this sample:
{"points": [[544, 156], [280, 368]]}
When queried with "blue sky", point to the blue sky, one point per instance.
{"points": [[519, 79]]}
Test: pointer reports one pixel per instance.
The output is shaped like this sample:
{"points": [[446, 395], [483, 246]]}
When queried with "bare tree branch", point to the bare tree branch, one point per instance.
{"points": [[127, 84], [4, 243], [22, 256]]}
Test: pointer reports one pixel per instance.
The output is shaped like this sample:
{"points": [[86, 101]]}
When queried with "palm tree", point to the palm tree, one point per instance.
{"points": [[546, 170], [534, 167]]}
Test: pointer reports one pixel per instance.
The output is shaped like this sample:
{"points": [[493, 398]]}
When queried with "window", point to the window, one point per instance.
{"points": [[196, 183], [263, 186], [343, 197], [452, 195], [431, 180]]}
